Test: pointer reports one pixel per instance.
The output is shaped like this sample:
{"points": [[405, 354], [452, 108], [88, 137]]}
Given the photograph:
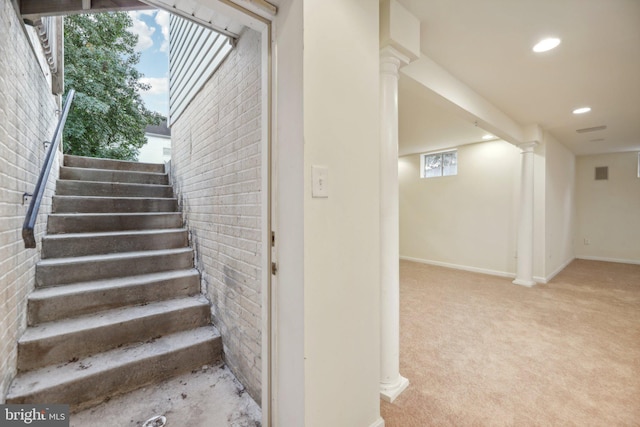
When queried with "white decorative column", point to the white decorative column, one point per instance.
{"points": [[391, 382], [524, 266], [399, 44]]}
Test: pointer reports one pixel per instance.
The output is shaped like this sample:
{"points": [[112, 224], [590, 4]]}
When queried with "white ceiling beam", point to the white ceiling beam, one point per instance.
{"points": [[465, 100]]}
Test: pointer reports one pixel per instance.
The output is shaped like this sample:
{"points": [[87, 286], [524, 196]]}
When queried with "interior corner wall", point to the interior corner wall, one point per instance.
{"points": [[27, 118], [216, 170], [466, 221], [560, 165], [539, 211], [342, 232], [608, 211]]}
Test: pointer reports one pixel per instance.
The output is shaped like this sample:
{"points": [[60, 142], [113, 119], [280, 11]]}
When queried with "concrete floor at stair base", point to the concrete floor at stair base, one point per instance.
{"points": [[208, 397]]}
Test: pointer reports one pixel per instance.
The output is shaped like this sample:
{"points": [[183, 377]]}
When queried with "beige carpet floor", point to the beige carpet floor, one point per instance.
{"points": [[480, 351]]}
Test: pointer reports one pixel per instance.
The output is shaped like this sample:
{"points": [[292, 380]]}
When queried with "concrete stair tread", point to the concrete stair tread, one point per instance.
{"points": [[111, 257], [71, 187], [106, 284], [114, 170], [75, 222], [77, 299], [92, 373], [114, 318], [114, 184], [104, 242], [83, 268], [97, 174], [107, 214], [113, 204], [115, 233], [63, 197], [111, 164]]}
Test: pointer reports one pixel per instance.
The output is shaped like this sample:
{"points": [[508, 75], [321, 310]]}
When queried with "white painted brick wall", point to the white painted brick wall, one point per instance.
{"points": [[27, 117], [216, 157]]}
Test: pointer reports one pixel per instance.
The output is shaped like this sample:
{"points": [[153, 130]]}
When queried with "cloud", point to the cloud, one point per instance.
{"points": [[142, 30], [159, 85], [162, 19]]}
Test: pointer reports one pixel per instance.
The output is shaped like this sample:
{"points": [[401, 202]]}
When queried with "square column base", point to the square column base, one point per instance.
{"points": [[389, 392], [527, 283]]}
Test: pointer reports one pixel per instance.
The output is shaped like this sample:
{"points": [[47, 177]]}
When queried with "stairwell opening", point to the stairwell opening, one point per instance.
{"points": [[222, 182]]}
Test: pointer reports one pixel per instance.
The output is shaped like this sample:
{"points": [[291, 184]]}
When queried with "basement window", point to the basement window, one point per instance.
{"points": [[442, 163]]}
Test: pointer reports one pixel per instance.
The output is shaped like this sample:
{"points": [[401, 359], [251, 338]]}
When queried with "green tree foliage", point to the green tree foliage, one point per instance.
{"points": [[108, 117]]}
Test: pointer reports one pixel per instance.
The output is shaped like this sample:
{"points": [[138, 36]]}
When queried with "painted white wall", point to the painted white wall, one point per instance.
{"points": [[466, 221], [341, 232], [154, 150], [560, 166], [608, 212]]}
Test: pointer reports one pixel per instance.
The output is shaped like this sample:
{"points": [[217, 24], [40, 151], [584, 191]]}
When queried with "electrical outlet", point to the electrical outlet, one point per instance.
{"points": [[587, 241]]}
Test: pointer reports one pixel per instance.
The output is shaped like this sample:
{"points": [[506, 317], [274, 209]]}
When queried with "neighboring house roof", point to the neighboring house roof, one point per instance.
{"points": [[160, 129]]}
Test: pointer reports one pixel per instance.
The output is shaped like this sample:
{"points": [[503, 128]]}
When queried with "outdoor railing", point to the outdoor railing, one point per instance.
{"points": [[38, 192]]}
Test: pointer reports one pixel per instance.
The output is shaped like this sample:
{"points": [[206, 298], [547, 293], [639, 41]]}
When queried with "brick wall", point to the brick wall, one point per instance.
{"points": [[216, 155], [27, 117]]}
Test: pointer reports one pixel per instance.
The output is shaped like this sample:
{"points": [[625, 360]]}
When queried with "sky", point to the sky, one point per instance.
{"points": [[152, 28]]}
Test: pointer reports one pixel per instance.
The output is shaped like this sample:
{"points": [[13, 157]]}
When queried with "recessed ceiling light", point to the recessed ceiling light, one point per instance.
{"points": [[488, 136], [581, 110], [546, 44]]}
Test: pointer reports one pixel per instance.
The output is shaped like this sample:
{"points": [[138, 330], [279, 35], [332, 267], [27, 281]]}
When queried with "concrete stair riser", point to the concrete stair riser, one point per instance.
{"points": [[111, 189], [74, 245], [72, 339], [101, 222], [90, 381], [60, 302], [61, 271], [93, 163], [102, 175], [91, 204]]}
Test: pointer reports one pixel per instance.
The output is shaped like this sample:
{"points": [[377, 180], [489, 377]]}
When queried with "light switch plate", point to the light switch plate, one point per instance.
{"points": [[320, 181]]}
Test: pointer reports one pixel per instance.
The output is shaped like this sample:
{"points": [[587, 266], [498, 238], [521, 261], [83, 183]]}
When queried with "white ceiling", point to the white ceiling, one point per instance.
{"points": [[428, 123], [487, 45]]}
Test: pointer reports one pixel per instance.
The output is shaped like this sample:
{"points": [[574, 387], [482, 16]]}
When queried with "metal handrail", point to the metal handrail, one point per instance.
{"points": [[38, 192]]}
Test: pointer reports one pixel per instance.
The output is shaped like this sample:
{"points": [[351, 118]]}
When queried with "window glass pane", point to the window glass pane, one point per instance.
{"points": [[450, 163], [432, 165]]}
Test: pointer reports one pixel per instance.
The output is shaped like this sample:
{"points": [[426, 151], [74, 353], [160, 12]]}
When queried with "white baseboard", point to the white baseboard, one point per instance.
{"points": [[547, 279], [461, 267], [621, 261], [378, 423]]}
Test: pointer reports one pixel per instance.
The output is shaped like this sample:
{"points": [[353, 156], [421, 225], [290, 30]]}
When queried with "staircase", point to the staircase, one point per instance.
{"points": [[117, 303]]}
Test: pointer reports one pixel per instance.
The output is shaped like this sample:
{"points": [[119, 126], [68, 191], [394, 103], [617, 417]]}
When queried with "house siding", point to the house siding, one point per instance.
{"points": [[216, 169], [27, 118], [196, 53]]}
